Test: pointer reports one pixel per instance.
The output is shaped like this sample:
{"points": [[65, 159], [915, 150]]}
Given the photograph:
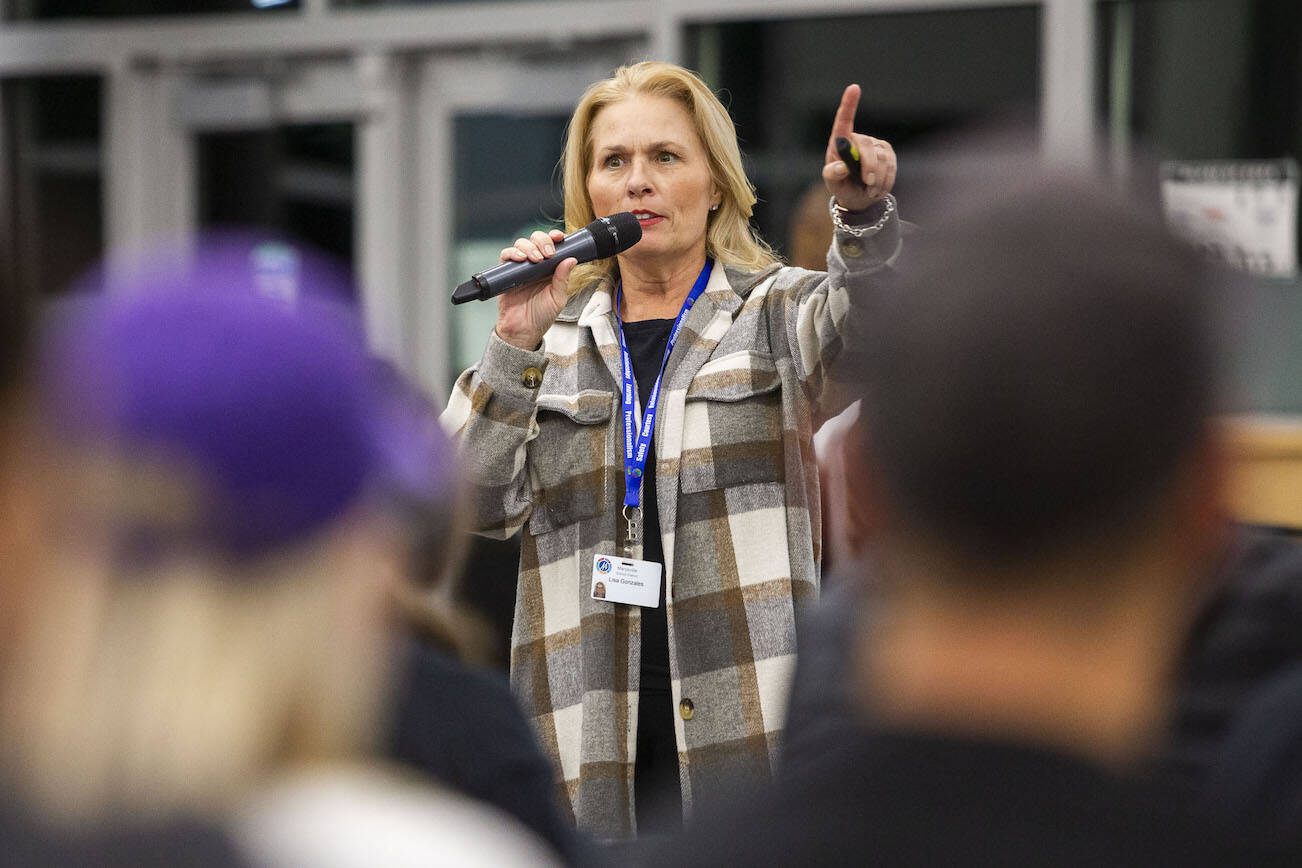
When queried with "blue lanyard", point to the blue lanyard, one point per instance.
{"points": [[635, 450]]}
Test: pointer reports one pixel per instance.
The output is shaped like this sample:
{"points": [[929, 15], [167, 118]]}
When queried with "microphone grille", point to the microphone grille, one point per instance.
{"points": [[615, 234]]}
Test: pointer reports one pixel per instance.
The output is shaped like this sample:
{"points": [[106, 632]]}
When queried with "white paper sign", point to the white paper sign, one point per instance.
{"points": [[1242, 212]]}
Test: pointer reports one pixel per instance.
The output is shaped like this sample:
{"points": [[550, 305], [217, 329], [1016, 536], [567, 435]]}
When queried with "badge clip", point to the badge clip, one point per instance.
{"points": [[634, 522]]}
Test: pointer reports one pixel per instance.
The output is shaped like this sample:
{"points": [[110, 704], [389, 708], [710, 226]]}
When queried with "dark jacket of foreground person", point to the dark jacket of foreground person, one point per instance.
{"points": [[899, 798]]}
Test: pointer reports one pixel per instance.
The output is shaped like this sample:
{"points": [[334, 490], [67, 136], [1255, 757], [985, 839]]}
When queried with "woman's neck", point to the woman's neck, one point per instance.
{"points": [[651, 291]]}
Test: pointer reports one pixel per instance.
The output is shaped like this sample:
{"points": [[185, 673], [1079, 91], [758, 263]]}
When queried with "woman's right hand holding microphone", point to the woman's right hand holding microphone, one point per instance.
{"points": [[525, 313]]}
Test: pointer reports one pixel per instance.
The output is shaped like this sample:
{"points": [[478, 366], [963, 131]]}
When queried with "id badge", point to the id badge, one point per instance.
{"points": [[626, 580]]}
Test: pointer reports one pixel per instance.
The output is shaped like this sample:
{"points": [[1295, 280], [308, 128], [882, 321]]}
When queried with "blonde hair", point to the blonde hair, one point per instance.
{"points": [[729, 238], [179, 686]]}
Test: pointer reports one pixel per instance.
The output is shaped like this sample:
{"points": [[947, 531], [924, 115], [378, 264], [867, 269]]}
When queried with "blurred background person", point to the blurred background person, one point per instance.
{"points": [[214, 634], [1045, 491], [648, 710], [1233, 745]]}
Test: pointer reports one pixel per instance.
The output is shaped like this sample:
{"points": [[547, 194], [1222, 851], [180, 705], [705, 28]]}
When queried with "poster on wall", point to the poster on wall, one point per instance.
{"points": [[1241, 212]]}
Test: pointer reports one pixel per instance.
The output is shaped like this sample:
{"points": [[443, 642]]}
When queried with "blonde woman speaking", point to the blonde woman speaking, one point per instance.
{"points": [[647, 421]]}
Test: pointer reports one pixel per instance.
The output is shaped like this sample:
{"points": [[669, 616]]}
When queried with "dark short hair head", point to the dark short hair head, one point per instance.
{"points": [[1040, 370]]}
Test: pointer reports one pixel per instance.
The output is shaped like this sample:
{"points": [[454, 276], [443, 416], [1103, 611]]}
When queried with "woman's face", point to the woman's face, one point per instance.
{"points": [[648, 159]]}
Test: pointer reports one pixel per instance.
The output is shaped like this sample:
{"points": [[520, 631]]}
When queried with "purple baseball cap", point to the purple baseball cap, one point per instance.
{"points": [[275, 409]]}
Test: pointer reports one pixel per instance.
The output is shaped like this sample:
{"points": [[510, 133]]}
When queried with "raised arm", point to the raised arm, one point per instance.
{"points": [[816, 307], [876, 156]]}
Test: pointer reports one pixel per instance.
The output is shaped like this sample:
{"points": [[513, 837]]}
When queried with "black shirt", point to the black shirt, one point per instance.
{"points": [[657, 795], [646, 341], [905, 798]]}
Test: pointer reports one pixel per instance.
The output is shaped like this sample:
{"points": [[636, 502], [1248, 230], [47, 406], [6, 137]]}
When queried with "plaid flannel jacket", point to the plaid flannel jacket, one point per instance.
{"points": [[737, 489]]}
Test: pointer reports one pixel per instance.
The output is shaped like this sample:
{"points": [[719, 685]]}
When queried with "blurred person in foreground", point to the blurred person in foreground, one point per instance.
{"points": [[213, 638], [1044, 488], [651, 709], [24, 566]]}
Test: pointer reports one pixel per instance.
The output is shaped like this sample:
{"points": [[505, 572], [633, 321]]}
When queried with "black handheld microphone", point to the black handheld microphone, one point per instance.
{"points": [[603, 237]]}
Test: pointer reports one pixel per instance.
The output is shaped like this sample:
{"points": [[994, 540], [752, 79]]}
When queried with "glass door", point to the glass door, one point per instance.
{"points": [[491, 133], [295, 181]]}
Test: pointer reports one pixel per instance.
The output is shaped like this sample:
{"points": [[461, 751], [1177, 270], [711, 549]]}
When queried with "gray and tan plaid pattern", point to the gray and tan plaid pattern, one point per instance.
{"points": [[739, 512]]}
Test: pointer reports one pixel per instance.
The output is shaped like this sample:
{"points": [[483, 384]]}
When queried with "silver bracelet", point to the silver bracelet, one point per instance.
{"points": [[858, 231]]}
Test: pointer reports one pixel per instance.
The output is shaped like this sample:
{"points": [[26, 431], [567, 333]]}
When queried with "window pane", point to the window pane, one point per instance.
{"points": [[1217, 80], [51, 228], [505, 188], [293, 180], [921, 73], [1205, 79]]}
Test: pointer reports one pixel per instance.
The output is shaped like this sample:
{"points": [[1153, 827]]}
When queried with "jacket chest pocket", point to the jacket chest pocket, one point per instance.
{"points": [[732, 425], [568, 459]]}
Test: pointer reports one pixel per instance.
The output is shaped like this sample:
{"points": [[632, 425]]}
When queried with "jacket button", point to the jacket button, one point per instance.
{"points": [[686, 709], [531, 377], [851, 249]]}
